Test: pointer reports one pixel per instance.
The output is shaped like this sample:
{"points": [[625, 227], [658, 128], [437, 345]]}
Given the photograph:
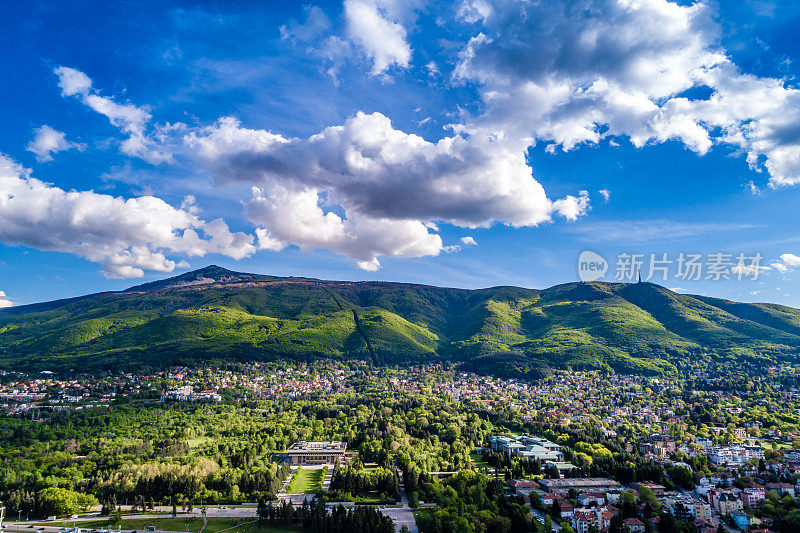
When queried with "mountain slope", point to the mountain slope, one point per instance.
{"points": [[216, 314]]}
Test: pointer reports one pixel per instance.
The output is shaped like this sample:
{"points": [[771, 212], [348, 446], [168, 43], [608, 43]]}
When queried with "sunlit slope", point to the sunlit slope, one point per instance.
{"points": [[216, 315]]}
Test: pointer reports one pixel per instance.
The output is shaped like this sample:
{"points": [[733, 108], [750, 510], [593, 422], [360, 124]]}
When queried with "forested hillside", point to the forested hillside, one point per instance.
{"points": [[214, 314]]}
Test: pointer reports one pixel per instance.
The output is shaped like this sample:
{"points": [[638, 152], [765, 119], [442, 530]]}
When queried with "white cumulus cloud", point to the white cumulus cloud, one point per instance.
{"points": [[5, 301], [366, 189], [125, 236], [785, 263], [374, 30], [48, 141], [564, 74], [371, 26], [576, 72], [790, 260], [294, 216]]}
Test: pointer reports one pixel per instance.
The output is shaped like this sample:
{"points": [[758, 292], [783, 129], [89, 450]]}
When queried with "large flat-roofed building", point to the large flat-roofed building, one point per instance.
{"points": [[588, 484], [317, 452], [528, 447]]}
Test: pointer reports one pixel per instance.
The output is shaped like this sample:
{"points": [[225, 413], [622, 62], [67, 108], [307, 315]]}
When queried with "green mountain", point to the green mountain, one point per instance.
{"points": [[214, 314]]}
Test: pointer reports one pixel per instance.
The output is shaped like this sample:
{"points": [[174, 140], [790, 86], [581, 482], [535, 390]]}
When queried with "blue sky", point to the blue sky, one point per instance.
{"points": [[371, 139]]}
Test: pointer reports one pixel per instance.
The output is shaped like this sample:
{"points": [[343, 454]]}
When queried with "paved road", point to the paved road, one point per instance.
{"points": [[166, 512], [403, 516], [26, 527], [539, 516], [282, 492], [400, 516], [56, 529], [326, 483]]}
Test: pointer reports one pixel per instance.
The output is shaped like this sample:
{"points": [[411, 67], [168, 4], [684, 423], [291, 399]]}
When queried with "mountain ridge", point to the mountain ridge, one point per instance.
{"points": [[215, 314]]}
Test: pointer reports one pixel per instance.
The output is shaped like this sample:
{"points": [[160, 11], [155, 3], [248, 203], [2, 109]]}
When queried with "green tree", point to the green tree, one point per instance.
{"points": [[58, 501], [681, 476], [555, 509], [649, 500], [791, 522]]}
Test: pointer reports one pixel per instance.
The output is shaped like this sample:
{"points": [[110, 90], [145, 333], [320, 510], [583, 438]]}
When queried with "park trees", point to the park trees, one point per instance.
{"points": [[59, 502]]}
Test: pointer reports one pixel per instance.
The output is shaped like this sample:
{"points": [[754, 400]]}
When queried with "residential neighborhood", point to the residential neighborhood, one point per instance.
{"points": [[728, 459]]}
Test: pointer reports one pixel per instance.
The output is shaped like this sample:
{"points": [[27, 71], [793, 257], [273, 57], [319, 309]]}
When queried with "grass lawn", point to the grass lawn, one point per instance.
{"points": [[781, 446], [189, 524], [307, 480], [477, 460]]}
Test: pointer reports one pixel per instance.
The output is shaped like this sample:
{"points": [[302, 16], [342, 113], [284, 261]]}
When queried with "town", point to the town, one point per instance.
{"points": [[707, 454]]}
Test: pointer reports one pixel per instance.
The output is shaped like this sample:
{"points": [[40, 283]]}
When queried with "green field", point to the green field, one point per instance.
{"points": [[189, 524], [778, 446], [477, 460], [307, 481]]}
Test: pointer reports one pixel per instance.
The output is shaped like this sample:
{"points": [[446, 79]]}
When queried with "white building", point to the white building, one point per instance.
{"points": [[584, 519], [734, 455], [317, 452], [528, 447], [187, 394]]}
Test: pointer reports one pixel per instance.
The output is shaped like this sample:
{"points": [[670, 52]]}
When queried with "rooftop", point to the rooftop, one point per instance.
{"points": [[318, 446], [567, 483]]}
